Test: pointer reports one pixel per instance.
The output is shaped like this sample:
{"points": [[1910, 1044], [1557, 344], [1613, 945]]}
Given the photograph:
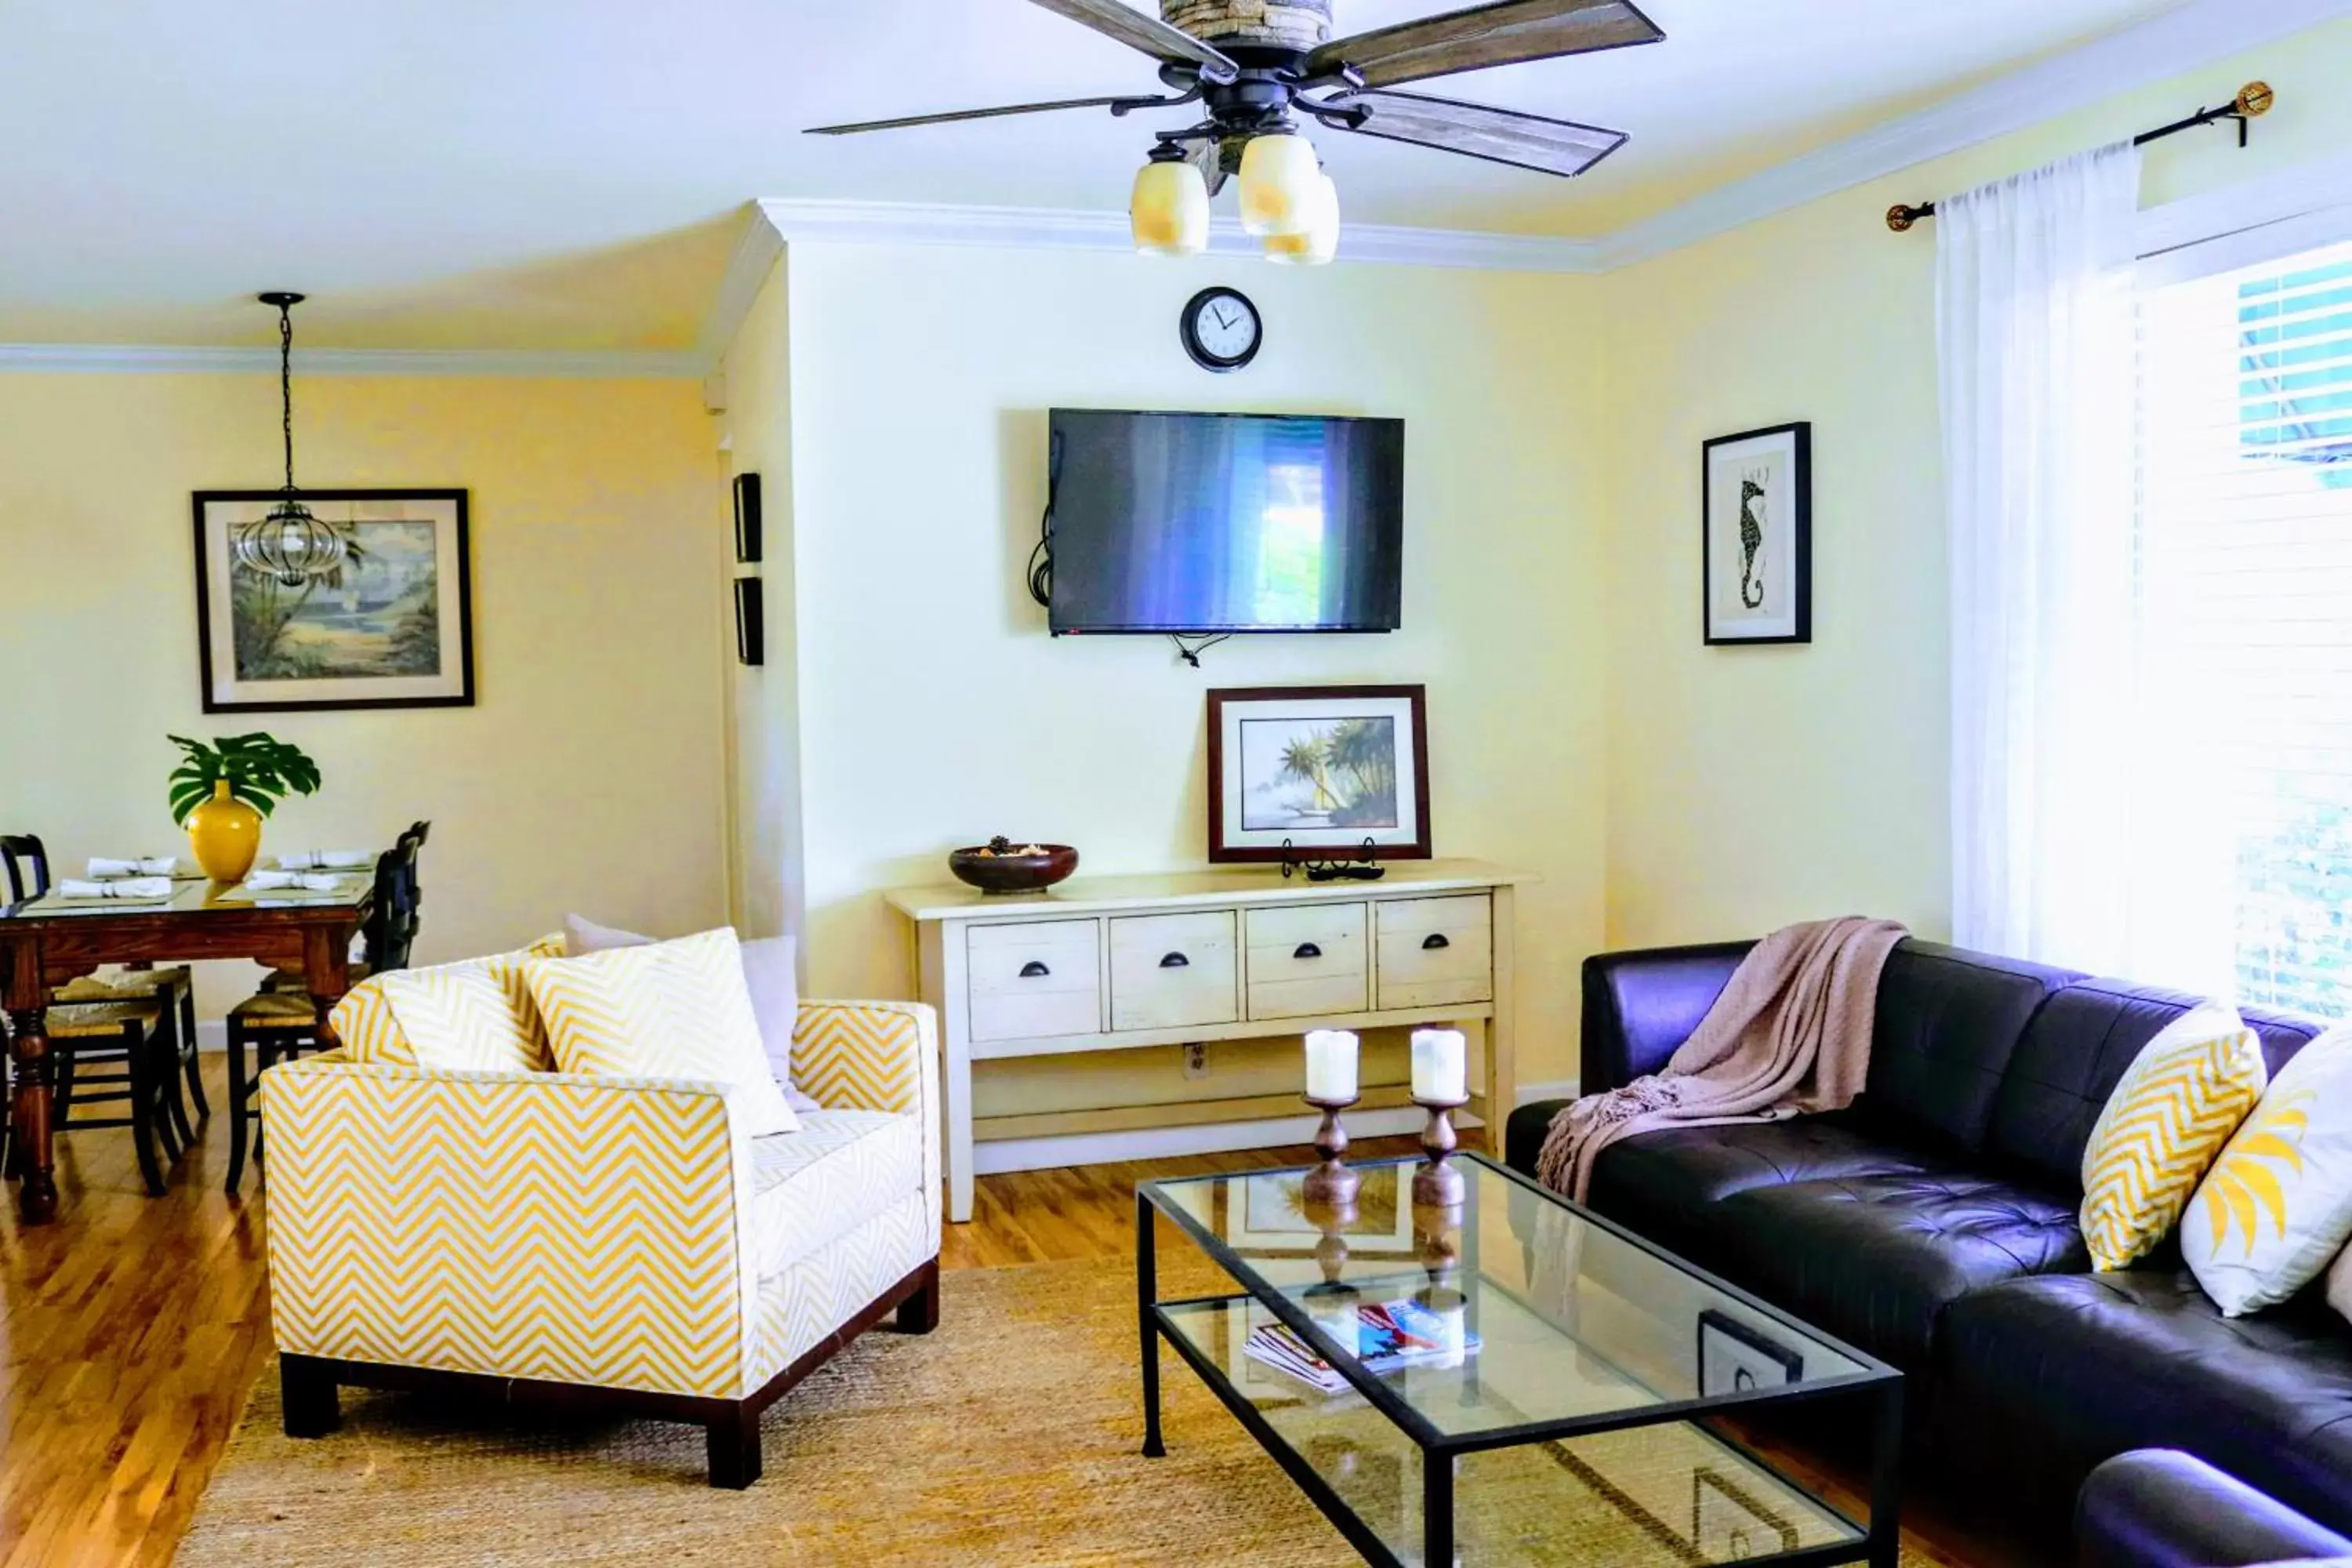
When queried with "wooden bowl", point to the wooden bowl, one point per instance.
{"points": [[1014, 873]]}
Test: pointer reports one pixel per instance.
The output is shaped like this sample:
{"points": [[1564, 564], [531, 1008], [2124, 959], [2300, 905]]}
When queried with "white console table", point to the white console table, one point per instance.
{"points": [[1110, 962]]}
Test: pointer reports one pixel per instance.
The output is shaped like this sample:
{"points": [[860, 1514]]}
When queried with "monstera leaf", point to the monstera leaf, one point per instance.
{"points": [[261, 770]]}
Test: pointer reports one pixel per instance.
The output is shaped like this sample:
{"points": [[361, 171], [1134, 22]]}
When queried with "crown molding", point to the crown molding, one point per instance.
{"points": [[1049, 229], [757, 248], [2180, 40], [120, 359]]}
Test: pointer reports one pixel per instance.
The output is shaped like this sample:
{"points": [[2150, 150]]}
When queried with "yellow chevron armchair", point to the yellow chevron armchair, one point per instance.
{"points": [[551, 1238]]}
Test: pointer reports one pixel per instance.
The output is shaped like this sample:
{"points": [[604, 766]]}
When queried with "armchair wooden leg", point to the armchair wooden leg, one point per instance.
{"points": [[733, 1444], [919, 1313], [307, 1389]]}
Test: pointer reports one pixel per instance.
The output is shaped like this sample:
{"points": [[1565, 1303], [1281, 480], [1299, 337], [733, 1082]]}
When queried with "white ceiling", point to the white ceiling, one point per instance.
{"points": [[568, 173]]}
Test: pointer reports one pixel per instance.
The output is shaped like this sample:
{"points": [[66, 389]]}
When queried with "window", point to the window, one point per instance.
{"points": [[2244, 591]]}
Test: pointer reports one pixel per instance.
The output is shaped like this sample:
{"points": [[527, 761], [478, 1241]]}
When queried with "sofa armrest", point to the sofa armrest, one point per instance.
{"points": [[2159, 1508], [875, 1056], [573, 1228], [1639, 1006]]}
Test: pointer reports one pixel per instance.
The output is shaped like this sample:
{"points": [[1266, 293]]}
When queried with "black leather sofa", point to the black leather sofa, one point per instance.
{"points": [[1935, 1225], [2159, 1508]]}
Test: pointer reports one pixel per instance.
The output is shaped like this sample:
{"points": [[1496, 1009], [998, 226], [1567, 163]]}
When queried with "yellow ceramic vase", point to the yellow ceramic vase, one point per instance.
{"points": [[225, 835]]}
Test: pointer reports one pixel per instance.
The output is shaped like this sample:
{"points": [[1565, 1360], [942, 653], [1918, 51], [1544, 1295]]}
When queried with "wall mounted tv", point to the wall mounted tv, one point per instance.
{"points": [[1225, 523]]}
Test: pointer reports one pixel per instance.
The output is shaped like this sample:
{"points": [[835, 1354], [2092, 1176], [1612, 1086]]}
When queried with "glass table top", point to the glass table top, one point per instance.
{"points": [[1545, 1319]]}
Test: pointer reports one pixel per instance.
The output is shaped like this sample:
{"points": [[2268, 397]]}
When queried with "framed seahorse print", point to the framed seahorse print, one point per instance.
{"points": [[1757, 536]]}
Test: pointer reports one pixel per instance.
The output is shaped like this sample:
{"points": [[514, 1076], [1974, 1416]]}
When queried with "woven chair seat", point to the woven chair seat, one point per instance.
{"points": [[277, 1011], [99, 1020], [126, 986]]}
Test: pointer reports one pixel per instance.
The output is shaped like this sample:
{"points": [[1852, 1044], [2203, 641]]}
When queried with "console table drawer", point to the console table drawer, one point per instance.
{"points": [[1034, 979], [1306, 961], [1434, 952], [1168, 969]]}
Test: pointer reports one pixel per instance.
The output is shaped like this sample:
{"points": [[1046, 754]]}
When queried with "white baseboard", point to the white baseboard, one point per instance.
{"points": [[1001, 1155], [212, 1036]]}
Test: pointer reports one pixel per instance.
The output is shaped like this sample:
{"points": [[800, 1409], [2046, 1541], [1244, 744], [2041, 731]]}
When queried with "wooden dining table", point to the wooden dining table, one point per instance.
{"points": [[45, 942]]}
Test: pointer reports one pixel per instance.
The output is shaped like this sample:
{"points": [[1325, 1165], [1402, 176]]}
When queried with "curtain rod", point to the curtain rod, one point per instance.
{"points": [[2253, 99]]}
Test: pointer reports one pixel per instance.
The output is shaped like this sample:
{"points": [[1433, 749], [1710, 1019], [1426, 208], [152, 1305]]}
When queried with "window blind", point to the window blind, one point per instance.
{"points": [[2244, 592]]}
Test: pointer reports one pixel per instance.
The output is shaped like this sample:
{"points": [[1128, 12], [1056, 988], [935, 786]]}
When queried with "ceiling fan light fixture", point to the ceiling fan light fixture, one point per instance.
{"points": [[1319, 241], [1279, 175], [1169, 211]]}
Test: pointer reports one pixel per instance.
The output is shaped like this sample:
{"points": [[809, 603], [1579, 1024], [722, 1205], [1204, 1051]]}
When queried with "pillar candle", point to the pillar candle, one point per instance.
{"points": [[1330, 1065], [1441, 1066]]}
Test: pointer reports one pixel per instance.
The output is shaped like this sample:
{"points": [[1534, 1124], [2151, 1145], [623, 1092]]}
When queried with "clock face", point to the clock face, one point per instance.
{"points": [[1221, 330]]}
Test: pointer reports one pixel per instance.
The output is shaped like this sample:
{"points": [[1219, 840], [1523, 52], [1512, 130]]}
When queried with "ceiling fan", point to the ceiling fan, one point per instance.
{"points": [[1260, 67]]}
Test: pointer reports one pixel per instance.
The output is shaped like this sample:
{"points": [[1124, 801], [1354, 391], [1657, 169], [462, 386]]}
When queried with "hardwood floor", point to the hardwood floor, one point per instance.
{"points": [[134, 1327]]}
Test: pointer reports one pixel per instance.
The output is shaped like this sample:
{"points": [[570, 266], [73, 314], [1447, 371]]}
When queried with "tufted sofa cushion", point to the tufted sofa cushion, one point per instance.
{"points": [[1947, 1025], [1875, 1259], [1665, 1185], [2064, 1373], [2075, 1053]]}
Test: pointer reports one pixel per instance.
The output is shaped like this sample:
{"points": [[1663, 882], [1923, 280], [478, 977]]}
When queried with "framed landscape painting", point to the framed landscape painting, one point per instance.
{"points": [[1757, 536], [393, 628], [1304, 770]]}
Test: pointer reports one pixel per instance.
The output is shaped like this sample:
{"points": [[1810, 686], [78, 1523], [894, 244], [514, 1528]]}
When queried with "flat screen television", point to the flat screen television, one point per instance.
{"points": [[1225, 523]]}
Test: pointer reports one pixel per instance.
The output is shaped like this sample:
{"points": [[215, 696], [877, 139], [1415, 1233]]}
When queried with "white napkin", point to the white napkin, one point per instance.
{"points": [[116, 888], [323, 860], [270, 881], [154, 866]]}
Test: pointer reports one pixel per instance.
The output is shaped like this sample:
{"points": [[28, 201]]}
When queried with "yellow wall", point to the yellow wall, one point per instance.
{"points": [[936, 711], [589, 775], [764, 701], [1752, 786]]}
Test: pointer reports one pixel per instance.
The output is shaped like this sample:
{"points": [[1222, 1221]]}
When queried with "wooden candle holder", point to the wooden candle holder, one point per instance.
{"points": [[1332, 1183], [1437, 1184]]}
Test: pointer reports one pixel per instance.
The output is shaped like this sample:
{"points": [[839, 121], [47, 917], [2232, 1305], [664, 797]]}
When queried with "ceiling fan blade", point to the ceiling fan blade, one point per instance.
{"points": [[1499, 35], [901, 125], [1169, 46], [1501, 135]]}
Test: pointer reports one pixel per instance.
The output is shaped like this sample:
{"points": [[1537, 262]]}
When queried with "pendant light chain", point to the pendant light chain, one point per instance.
{"points": [[286, 384]]}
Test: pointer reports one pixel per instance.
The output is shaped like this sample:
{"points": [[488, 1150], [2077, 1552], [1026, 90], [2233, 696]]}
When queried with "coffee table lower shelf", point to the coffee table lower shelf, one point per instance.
{"points": [[1671, 1493]]}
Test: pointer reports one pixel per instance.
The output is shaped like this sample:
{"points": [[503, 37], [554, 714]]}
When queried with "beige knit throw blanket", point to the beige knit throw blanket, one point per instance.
{"points": [[1791, 1034]]}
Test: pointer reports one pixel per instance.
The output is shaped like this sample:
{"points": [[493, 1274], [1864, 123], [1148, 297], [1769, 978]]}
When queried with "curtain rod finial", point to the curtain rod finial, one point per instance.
{"points": [[2254, 98], [1900, 218]]}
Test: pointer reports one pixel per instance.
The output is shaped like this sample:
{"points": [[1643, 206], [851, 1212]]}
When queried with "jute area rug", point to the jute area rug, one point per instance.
{"points": [[1010, 1435]]}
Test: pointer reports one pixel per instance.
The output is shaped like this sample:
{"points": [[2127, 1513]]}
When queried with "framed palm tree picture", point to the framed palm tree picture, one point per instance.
{"points": [[386, 621], [1300, 772]]}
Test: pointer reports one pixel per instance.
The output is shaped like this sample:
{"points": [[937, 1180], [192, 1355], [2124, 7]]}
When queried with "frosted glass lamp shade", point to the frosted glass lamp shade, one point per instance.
{"points": [[1319, 241], [1170, 212], [1280, 173]]}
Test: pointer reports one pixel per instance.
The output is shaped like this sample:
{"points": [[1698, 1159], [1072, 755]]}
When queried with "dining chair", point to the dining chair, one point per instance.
{"points": [[281, 1021], [128, 1037]]}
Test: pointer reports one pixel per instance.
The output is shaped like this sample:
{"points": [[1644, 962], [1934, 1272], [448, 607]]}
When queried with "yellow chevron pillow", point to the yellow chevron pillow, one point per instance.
{"points": [[2182, 1097], [667, 1009], [2277, 1205], [473, 1016]]}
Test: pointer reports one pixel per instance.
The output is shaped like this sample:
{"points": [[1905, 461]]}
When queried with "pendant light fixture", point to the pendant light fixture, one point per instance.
{"points": [[288, 542]]}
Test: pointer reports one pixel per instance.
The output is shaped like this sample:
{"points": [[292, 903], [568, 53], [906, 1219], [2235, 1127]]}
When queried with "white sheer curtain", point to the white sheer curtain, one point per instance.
{"points": [[2035, 329]]}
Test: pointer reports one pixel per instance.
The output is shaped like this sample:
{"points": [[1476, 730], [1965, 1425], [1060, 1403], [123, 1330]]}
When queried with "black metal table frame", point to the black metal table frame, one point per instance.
{"points": [[1878, 1384]]}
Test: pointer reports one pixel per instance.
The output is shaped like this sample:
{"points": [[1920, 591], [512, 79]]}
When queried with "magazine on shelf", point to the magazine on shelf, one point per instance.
{"points": [[1388, 1335]]}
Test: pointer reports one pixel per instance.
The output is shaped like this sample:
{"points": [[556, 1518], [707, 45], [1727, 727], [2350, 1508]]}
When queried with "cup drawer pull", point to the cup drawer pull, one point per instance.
{"points": [[1034, 970], [1175, 960], [1307, 950], [1434, 941]]}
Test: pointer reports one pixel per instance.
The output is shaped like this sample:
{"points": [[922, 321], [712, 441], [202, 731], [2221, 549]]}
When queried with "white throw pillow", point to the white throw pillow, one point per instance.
{"points": [[769, 972], [2276, 1207], [670, 1009]]}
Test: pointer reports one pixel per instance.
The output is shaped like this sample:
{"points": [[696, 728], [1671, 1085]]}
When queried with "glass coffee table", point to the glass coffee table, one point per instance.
{"points": [[1555, 1401]]}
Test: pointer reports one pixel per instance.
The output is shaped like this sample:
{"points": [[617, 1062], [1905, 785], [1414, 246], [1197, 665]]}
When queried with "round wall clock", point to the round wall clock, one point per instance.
{"points": [[1221, 330]]}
